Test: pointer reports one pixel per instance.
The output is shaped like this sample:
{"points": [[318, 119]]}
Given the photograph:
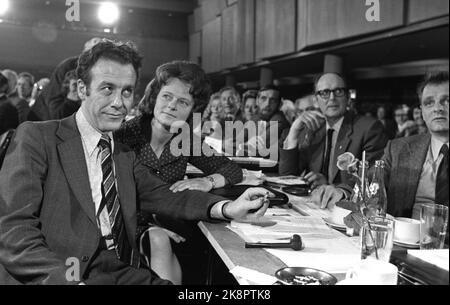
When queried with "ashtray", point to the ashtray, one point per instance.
{"points": [[304, 276]]}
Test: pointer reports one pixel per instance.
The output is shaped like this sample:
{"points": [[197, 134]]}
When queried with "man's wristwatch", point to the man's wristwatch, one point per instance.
{"points": [[213, 182]]}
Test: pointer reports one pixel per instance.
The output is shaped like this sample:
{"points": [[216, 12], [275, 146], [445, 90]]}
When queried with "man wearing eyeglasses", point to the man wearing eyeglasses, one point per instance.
{"points": [[316, 139]]}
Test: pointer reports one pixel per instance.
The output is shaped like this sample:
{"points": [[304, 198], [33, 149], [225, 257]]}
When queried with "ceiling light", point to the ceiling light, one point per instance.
{"points": [[108, 13], [4, 6]]}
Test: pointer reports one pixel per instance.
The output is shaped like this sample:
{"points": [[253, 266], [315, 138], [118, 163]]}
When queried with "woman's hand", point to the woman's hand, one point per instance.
{"points": [[197, 184]]}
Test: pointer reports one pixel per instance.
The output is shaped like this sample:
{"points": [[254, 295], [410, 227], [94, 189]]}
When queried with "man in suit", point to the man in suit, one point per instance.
{"points": [[69, 192], [316, 139], [417, 167]]}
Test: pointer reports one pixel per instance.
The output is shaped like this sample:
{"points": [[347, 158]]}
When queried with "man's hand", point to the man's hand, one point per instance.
{"points": [[312, 120], [251, 199], [315, 179], [326, 196], [197, 184]]}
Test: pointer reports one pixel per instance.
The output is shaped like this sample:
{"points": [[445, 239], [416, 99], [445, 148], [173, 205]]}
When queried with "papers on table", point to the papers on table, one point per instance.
{"points": [[439, 258], [252, 277], [252, 178], [260, 162], [325, 249], [286, 180], [306, 207]]}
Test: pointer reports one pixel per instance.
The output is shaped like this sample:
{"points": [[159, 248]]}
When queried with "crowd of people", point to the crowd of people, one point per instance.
{"points": [[140, 202]]}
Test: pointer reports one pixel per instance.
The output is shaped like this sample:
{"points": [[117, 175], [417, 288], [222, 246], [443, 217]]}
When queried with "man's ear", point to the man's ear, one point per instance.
{"points": [[82, 89]]}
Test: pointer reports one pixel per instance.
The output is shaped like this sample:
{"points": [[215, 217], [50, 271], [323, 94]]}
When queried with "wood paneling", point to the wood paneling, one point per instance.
{"points": [[420, 10], [198, 20], [230, 35], [338, 19], [246, 26], [211, 45], [302, 24], [275, 27], [211, 9], [195, 47]]}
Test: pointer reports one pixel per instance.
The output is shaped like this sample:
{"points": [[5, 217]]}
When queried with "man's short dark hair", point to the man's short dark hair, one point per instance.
{"points": [[269, 87], [187, 72], [432, 78], [121, 52]]}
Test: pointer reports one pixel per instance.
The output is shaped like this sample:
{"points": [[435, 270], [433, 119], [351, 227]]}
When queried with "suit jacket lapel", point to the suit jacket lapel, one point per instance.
{"points": [[413, 159], [74, 165], [342, 143], [123, 164]]}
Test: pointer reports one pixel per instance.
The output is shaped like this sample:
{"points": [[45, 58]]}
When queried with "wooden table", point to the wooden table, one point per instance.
{"points": [[231, 249]]}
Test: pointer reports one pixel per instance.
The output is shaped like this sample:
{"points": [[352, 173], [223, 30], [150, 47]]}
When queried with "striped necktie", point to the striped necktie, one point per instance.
{"points": [[110, 199], [442, 178]]}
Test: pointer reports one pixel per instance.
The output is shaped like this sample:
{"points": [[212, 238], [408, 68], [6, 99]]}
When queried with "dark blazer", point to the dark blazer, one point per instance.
{"points": [[9, 117], [357, 134], [46, 207], [404, 159]]}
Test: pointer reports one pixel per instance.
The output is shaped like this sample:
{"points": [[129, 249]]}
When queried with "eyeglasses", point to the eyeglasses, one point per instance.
{"points": [[338, 92]]}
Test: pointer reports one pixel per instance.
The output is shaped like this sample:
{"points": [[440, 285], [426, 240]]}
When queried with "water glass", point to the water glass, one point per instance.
{"points": [[433, 226], [377, 236]]}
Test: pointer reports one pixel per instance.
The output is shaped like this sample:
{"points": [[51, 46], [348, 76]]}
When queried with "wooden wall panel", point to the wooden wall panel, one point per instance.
{"points": [[230, 37], [211, 9], [246, 26], [211, 45], [195, 47], [302, 24], [420, 10], [275, 27], [198, 19], [332, 20]]}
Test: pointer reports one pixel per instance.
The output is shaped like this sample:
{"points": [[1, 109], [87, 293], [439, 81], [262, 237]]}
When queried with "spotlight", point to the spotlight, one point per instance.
{"points": [[108, 13], [4, 6]]}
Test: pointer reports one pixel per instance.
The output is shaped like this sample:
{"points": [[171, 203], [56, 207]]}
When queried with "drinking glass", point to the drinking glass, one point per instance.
{"points": [[433, 226], [377, 236]]}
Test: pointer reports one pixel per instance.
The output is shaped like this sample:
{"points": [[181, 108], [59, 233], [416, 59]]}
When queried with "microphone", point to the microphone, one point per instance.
{"points": [[295, 244]]}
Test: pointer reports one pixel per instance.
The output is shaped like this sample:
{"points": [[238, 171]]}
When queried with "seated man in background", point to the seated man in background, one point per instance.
{"points": [[417, 167], [69, 191], [316, 139], [9, 118], [306, 103]]}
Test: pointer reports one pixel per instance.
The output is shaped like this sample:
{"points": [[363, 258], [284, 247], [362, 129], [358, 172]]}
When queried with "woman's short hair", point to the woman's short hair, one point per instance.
{"points": [[207, 112], [187, 72], [248, 94], [66, 83]]}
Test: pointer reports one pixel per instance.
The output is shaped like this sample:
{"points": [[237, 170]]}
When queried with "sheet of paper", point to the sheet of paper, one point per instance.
{"points": [[253, 277], [305, 206], [286, 180], [439, 258]]}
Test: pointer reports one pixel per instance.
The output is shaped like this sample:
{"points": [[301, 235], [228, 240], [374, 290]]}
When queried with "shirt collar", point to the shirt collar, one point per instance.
{"points": [[436, 146], [337, 126], [89, 134]]}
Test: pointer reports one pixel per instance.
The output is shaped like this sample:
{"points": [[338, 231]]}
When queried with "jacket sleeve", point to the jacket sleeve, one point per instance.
{"points": [[218, 165], [155, 197], [23, 249]]}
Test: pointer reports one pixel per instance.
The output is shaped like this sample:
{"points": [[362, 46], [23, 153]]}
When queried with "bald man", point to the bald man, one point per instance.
{"points": [[317, 138]]}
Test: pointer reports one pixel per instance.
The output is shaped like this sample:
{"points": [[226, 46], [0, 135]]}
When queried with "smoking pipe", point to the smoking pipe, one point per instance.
{"points": [[295, 243]]}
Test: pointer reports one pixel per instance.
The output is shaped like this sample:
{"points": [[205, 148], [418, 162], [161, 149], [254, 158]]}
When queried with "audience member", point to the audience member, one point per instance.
{"points": [[179, 89], [230, 102], [316, 139], [71, 102], [250, 106], [389, 125], [25, 82], [418, 119], [306, 103], [288, 109], [405, 126], [19, 103]]}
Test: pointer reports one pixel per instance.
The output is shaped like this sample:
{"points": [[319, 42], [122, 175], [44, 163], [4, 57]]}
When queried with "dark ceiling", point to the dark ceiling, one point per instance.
{"points": [[166, 19]]}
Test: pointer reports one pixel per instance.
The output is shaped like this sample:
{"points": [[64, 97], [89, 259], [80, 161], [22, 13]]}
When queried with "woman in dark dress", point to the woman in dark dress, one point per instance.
{"points": [[178, 90]]}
